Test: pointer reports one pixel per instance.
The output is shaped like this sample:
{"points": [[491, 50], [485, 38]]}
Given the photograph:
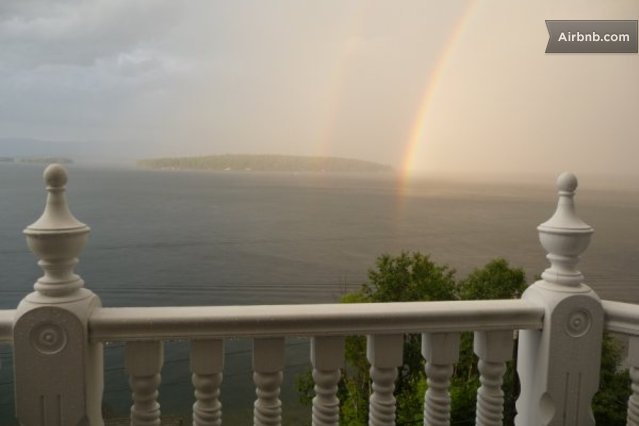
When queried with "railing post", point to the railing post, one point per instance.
{"points": [[268, 366], [143, 362], [494, 349], [441, 352], [327, 357], [58, 373], [385, 353], [559, 365], [207, 365]]}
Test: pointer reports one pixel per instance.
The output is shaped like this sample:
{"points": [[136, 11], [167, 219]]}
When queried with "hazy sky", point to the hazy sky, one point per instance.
{"points": [[427, 85]]}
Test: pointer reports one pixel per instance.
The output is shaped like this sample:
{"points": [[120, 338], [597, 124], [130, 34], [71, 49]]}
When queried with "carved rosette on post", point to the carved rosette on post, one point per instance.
{"points": [[558, 366], [58, 372]]}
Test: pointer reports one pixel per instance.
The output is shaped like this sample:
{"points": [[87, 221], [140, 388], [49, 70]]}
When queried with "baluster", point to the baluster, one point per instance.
{"points": [[633, 401], [207, 364], [441, 351], [385, 353], [493, 348], [268, 363], [143, 362], [327, 357]]}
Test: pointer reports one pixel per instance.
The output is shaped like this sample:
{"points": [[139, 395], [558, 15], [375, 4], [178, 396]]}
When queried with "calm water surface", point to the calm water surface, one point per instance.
{"points": [[182, 238]]}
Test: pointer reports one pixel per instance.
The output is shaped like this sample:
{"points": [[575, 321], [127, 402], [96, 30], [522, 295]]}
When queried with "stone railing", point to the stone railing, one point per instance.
{"points": [[57, 333]]}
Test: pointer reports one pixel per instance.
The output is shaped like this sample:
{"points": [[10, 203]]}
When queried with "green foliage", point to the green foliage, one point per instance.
{"points": [[462, 395], [304, 384], [496, 280], [406, 277], [414, 277], [610, 402], [409, 277]]}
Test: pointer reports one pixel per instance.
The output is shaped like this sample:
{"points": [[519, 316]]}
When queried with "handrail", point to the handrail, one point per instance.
{"points": [[621, 317], [164, 323]]}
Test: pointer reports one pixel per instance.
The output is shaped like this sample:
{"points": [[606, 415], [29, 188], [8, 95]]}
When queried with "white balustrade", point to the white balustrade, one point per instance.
{"points": [[268, 363], [385, 354], [441, 352], [58, 330], [207, 364], [493, 348], [327, 357], [143, 362]]}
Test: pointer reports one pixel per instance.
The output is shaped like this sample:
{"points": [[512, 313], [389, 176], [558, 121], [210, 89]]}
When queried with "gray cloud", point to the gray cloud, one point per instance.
{"points": [[334, 77], [35, 33]]}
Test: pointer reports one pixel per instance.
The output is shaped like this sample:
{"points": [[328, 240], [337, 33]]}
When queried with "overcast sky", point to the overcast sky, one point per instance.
{"points": [[343, 78]]}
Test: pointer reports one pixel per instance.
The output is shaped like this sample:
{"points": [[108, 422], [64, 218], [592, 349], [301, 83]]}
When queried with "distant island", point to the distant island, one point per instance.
{"points": [[36, 160], [266, 163]]}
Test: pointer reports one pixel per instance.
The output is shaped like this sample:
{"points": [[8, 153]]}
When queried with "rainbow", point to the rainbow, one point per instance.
{"points": [[419, 128]]}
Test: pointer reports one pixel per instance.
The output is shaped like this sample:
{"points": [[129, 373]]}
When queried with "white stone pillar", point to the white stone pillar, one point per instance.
{"points": [[143, 362], [559, 365], [268, 366], [207, 365], [58, 372], [494, 349], [385, 353], [441, 352], [327, 357]]}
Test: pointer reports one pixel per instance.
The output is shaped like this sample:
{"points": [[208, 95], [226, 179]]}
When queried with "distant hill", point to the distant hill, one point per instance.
{"points": [[36, 160], [86, 151], [266, 163]]}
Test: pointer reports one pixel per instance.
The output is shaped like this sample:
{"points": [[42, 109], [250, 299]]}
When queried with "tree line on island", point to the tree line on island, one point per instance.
{"points": [[414, 277], [266, 163]]}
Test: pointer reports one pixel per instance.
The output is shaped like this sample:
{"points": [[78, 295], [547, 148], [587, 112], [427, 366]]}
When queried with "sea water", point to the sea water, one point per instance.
{"points": [[162, 238]]}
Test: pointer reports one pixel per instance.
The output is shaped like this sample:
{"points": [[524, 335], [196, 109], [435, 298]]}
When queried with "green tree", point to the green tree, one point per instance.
{"points": [[496, 280], [610, 402], [407, 277], [414, 277]]}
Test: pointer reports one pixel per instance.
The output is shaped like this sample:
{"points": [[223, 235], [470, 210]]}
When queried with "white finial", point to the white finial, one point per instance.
{"points": [[564, 236], [567, 182], [56, 216], [57, 238], [55, 176]]}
